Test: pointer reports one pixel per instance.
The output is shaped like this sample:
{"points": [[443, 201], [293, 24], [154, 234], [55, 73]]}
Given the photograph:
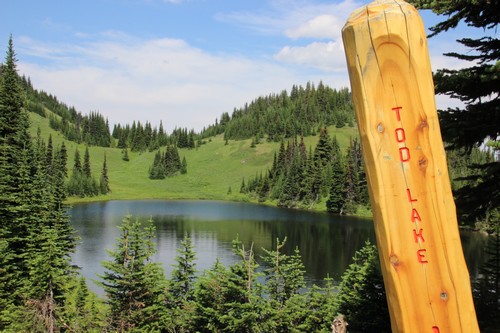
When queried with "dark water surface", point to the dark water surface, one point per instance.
{"points": [[326, 242]]}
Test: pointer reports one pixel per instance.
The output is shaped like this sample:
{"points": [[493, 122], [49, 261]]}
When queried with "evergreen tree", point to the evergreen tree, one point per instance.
{"points": [[264, 189], [104, 180], [284, 280], [351, 180], [85, 316], [362, 294], [125, 155], [183, 166], [337, 199], [86, 164], [183, 274], [77, 165], [157, 170], [135, 286], [285, 275], [324, 148], [227, 299], [35, 236], [243, 188], [81, 182], [16, 169]]}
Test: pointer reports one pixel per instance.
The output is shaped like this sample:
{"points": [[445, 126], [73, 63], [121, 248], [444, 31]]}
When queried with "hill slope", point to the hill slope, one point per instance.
{"points": [[213, 168]]}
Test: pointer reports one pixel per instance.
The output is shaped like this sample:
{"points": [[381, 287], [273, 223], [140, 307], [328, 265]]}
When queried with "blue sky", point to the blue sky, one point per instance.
{"points": [[183, 62]]}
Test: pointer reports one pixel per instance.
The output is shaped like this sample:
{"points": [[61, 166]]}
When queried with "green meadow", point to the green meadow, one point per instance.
{"points": [[213, 168]]}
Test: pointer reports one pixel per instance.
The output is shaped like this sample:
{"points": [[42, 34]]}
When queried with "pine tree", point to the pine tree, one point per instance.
{"points": [[36, 238], [77, 165], [183, 274], [362, 294], [337, 199], [104, 180], [157, 170], [86, 164], [135, 286], [125, 155], [183, 166], [228, 299], [351, 180], [264, 189], [16, 169], [285, 275], [81, 182]]}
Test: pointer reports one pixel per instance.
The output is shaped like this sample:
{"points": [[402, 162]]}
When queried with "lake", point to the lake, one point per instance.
{"points": [[326, 242]]}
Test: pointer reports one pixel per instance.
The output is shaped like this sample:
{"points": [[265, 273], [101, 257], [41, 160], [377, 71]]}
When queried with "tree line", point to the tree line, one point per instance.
{"points": [[92, 129], [286, 115], [141, 138], [82, 183], [300, 177]]}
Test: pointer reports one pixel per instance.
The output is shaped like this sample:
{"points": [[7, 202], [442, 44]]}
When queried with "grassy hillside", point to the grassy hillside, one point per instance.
{"points": [[212, 168]]}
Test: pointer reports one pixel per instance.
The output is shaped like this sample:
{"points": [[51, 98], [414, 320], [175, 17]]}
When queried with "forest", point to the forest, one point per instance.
{"points": [[41, 291]]}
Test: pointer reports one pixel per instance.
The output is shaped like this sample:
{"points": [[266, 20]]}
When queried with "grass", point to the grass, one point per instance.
{"points": [[213, 167]]}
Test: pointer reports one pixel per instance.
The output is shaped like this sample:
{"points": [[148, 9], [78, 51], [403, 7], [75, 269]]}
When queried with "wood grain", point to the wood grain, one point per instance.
{"points": [[425, 275]]}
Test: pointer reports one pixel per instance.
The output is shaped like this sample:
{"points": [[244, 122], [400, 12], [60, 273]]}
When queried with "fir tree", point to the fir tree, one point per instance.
{"points": [[157, 170], [183, 274], [337, 199], [227, 299], [135, 286], [125, 155], [36, 238], [183, 166], [86, 164], [104, 180], [77, 165], [243, 188], [362, 294], [16, 170], [351, 180], [285, 275]]}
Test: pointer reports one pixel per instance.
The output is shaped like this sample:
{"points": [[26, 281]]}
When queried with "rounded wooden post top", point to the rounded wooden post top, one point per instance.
{"points": [[378, 9]]}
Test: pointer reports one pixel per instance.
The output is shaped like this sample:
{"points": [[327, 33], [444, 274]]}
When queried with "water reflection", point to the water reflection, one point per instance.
{"points": [[326, 242]]}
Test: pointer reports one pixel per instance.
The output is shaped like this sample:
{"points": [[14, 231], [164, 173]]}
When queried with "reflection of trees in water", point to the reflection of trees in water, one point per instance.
{"points": [[326, 247], [326, 242], [473, 244]]}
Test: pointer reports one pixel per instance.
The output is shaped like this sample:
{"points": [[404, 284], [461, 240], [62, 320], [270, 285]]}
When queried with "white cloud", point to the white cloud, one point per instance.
{"points": [[299, 21], [328, 57], [296, 19], [126, 79], [322, 26]]}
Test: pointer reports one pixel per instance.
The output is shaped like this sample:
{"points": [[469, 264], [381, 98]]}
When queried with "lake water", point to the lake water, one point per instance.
{"points": [[326, 242]]}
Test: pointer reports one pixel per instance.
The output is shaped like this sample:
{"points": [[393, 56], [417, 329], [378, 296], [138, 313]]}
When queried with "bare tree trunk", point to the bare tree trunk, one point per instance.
{"points": [[339, 324], [51, 309]]}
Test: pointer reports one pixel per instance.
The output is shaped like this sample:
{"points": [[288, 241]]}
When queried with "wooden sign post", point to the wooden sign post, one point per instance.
{"points": [[425, 275]]}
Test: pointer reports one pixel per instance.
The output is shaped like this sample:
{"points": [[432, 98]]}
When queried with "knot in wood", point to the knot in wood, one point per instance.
{"points": [[394, 260], [422, 162], [423, 124]]}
